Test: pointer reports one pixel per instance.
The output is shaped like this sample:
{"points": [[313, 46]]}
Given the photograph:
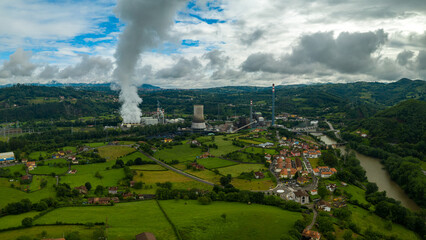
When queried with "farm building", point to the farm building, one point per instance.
{"points": [[7, 157]]}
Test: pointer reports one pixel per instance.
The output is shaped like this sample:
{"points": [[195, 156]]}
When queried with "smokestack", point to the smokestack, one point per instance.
{"points": [[273, 105], [251, 112], [198, 119], [147, 24]]}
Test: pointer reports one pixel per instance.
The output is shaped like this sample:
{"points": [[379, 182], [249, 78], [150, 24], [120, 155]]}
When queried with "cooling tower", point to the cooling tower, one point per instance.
{"points": [[198, 119]]}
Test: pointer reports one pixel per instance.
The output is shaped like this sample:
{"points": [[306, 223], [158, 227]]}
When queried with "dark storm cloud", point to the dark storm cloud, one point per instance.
{"points": [[182, 68], [88, 65], [19, 65], [249, 39], [403, 57], [348, 53]]}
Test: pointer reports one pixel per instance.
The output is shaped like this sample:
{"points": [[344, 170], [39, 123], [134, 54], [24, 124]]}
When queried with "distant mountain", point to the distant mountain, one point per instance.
{"points": [[149, 86]]}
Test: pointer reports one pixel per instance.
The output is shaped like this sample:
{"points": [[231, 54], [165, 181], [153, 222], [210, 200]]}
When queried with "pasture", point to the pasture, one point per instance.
{"points": [[236, 170], [183, 153], [125, 220], [214, 162], [111, 153], [86, 173]]}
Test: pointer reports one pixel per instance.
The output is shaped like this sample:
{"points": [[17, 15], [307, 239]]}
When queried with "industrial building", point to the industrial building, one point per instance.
{"points": [[198, 122], [7, 157]]}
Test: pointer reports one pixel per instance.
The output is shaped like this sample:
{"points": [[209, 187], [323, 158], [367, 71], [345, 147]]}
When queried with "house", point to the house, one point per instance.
{"points": [[344, 184], [284, 173], [302, 180], [168, 140], [146, 196], [74, 161], [259, 175], [72, 171], [82, 189], [305, 173], [301, 196], [31, 165], [331, 187], [127, 195], [197, 166], [145, 236], [314, 192], [102, 200], [326, 174], [323, 205], [268, 157], [24, 160], [132, 183], [195, 142], [204, 155], [364, 135], [112, 190], [316, 172], [293, 172], [311, 235], [26, 177], [266, 145]]}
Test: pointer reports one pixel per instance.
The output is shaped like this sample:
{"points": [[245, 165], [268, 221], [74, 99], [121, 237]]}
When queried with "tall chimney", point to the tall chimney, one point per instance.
{"points": [[251, 111], [273, 104]]}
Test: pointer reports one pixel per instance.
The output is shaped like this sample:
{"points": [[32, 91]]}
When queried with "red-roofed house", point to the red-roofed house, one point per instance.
{"points": [[312, 235]]}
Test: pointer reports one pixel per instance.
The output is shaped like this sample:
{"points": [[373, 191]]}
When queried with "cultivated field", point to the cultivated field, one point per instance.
{"points": [[183, 153]]}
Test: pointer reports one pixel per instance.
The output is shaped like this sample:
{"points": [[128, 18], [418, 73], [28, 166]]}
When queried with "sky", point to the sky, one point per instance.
{"points": [[215, 43]]}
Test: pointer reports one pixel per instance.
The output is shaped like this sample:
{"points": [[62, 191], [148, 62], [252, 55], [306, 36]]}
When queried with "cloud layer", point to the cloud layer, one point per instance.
{"points": [[216, 43]]}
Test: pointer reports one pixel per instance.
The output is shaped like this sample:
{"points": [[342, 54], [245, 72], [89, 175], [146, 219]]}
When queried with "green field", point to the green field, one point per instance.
{"points": [[125, 219], [95, 144], [224, 146], [20, 168], [8, 194], [183, 153], [36, 155], [365, 219], [203, 222], [214, 162], [314, 162], [52, 232], [236, 170], [135, 155], [15, 220], [193, 221], [49, 167], [111, 153], [69, 148], [260, 150], [149, 167], [206, 175], [254, 184], [86, 173]]}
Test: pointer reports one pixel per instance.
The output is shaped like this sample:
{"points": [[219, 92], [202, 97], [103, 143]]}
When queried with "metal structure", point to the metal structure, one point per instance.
{"points": [[251, 110], [273, 105], [198, 119]]}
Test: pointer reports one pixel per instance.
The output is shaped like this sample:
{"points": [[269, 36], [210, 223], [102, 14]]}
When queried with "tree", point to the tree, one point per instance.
{"points": [[99, 190], [41, 206], [223, 216], [98, 175], [371, 188], [88, 186], [204, 200], [225, 180], [322, 191], [73, 236], [27, 222]]}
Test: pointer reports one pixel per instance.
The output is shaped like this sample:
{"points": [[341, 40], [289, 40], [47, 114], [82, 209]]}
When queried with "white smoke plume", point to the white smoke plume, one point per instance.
{"points": [[147, 24]]}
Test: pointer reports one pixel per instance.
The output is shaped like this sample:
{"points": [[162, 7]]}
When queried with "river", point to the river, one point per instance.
{"points": [[376, 173]]}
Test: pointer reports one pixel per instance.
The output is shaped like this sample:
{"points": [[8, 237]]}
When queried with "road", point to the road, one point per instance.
{"points": [[314, 219], [177, 170]]}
